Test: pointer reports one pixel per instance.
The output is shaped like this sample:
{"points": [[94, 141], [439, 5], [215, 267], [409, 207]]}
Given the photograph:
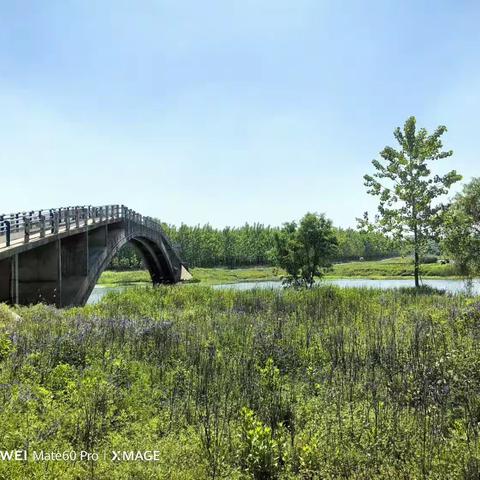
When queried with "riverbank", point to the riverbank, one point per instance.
{"points": [[205, 276], [391, 268]]}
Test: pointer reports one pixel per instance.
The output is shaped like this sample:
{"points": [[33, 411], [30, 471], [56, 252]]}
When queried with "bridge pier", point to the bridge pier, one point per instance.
{"points": [[9, 279], [39, 275], [75, 266]]}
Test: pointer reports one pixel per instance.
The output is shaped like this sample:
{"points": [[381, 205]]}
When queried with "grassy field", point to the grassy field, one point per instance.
{"points": [[110, 277], [322, 384], [389, 268], [206, 276]]}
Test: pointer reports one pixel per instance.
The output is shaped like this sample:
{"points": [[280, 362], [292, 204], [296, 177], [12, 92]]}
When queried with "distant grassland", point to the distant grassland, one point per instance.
{"points": [[206, 276], [391, 268], [388, 268], [110, 277]]}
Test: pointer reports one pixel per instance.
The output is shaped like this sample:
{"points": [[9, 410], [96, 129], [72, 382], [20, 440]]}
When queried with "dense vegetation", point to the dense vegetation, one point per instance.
{"points": [[461, 229], [205, 246], [305, 250], [323, 383]]}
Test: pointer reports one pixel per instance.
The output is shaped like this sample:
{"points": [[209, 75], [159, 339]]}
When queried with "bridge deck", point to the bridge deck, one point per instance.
{"points": [[18, 231], [18, 238]]}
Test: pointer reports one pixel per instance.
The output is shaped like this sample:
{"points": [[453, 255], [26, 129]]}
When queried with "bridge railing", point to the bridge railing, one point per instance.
{"points": [[23, 227]]}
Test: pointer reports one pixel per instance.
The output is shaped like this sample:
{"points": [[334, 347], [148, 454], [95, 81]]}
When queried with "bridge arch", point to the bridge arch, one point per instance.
{"points": [[155, 259]]}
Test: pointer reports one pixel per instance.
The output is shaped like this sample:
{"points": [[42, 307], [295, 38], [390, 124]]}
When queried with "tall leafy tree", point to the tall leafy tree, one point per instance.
{"points": [[305, 252], [407, 189], [462, 229]]}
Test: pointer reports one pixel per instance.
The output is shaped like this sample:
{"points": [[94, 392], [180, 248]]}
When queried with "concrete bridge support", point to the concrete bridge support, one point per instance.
{"points": [[38, 276]]}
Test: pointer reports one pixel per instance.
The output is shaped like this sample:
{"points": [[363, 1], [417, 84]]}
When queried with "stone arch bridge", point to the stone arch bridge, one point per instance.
{"points": [[56, 256]]}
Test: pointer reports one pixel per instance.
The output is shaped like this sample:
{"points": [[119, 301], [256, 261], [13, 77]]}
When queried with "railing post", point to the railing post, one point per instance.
{"points": [[52, 222], [56, 222], [67, 219], [77, 218], [42, 226], [26, 227], [7, 232]]}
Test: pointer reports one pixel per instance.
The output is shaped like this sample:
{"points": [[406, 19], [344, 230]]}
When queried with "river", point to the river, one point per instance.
{"points": [[449, 285]]}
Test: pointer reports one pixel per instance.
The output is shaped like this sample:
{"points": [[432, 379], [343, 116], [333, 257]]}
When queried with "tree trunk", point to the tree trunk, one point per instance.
{"points": [[417, 268], [416, 271]]}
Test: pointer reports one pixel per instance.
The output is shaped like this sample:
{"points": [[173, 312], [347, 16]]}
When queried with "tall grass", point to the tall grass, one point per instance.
{"points": [[327, 383]]}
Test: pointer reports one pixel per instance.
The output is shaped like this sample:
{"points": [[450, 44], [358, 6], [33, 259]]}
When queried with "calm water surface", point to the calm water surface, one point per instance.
{"points": [[451, 286]]}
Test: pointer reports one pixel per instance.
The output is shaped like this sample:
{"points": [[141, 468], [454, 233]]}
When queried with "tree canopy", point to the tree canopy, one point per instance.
{"points": [[462, 229], [305, 251]]}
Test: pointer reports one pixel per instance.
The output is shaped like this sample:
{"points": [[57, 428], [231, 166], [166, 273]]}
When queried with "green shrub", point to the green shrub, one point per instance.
{"points": [[259, 452]]}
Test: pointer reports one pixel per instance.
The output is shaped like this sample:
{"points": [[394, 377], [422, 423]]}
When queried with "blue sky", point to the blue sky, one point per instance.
{"points": [[226, 111]]}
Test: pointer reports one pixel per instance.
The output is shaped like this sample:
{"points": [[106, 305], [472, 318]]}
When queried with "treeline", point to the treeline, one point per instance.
{"points": [[251, 245]]}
